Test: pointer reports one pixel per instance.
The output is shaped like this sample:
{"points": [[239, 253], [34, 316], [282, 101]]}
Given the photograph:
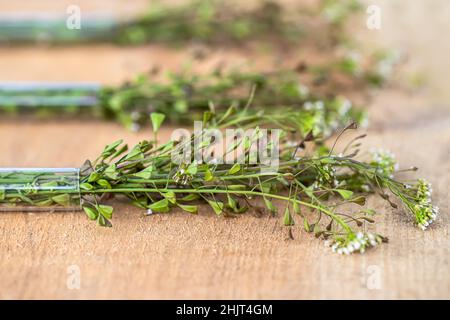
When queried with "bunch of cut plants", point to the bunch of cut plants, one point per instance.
{"points": [[206, 21], [312, 185], [184, 96]]}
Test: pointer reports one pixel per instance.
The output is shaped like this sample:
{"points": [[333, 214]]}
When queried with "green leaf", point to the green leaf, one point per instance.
{"points": [[50, 185], [160, 206], [309, 191], [123, 149], [270, 205], [345, 194], [190, 197], [265, 187], [229, 112], [105, 211], [235, 168], [217, 206], [94, 176], [242, 209], [86, 186], [189, 208], [181, 106], [207, 115], [359, 200], [45, 203], [135, 154], [25, 199], [91, 213], [102, 221], [142, 203], [157, 120], [62, 199], [145, 145], [116, 102], [104, 183], [2, 193], [288, 220], [192, 168], [146, 173], [306, 225], [170, 195], [208, 175], [110, 148], [111, 172], [232, 203], [113, 145], [296, 207]]}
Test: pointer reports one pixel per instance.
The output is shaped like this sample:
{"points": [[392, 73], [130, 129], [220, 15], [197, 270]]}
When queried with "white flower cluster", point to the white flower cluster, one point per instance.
{"points": [[345, 106], [314, 106], [386, 64], [303, 91], [424, 210], [326, 176], [319, 119], [384, 161], [354, 243], [135, 126], [182, 177]]}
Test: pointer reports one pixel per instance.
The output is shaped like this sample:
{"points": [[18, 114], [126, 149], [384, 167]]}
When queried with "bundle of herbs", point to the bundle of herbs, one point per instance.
{"points": [[184, 96], [314, 188], [209, 21]]}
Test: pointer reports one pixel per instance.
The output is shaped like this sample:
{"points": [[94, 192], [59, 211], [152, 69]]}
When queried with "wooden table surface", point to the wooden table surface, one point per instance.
{"points": [[182, 256]]}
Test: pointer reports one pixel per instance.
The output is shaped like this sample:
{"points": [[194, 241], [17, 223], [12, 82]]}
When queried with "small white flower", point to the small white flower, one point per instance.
{"points": [[308, 105], [213, 161], [345, 107], [319, 105], [135, 115], [135, 127], [303, 90], [149, 211]]}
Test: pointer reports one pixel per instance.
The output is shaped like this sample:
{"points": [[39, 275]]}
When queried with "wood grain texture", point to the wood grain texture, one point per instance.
{"points": [[182, 256]]}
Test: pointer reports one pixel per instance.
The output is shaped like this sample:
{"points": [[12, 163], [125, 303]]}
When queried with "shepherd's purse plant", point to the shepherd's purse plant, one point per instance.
{"points": [[322, 190]]}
